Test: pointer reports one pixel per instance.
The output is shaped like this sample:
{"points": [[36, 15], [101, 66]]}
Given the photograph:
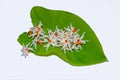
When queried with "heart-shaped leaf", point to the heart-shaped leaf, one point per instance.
{"points": [[91, 53]]}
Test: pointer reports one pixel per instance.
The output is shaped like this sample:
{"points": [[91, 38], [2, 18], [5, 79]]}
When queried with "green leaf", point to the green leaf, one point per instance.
{"points": [[91, 53]]}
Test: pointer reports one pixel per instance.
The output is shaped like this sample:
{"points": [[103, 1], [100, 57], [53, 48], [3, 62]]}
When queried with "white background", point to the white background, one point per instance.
{"points": [[102, 15]]}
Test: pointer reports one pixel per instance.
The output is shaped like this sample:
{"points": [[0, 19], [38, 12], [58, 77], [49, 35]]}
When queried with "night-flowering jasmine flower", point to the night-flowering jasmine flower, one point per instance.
{"points": [[36, 31], [26, 50], [50, 41], [32, 32], [65, 44], [71, 29], [38, 40]]}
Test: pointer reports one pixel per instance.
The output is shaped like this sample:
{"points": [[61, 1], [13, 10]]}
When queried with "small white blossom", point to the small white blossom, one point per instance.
{"points": [[36, 31], [66, 44], [26, 50], [51, 40]]}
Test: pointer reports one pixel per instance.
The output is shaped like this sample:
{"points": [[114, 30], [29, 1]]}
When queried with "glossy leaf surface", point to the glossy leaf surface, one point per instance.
{"points": [[91, 53]]}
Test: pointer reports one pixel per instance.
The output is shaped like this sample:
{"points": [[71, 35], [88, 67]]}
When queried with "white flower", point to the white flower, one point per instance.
{"points": [[78, 41], [66, 45], [32, 32], [36, 31], [51, 41], [26, 50], [48, 44], [38, 40], [71, 30]]}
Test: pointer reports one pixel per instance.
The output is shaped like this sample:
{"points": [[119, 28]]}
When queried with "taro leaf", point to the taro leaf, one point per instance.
{"points": [[91, 53]]}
